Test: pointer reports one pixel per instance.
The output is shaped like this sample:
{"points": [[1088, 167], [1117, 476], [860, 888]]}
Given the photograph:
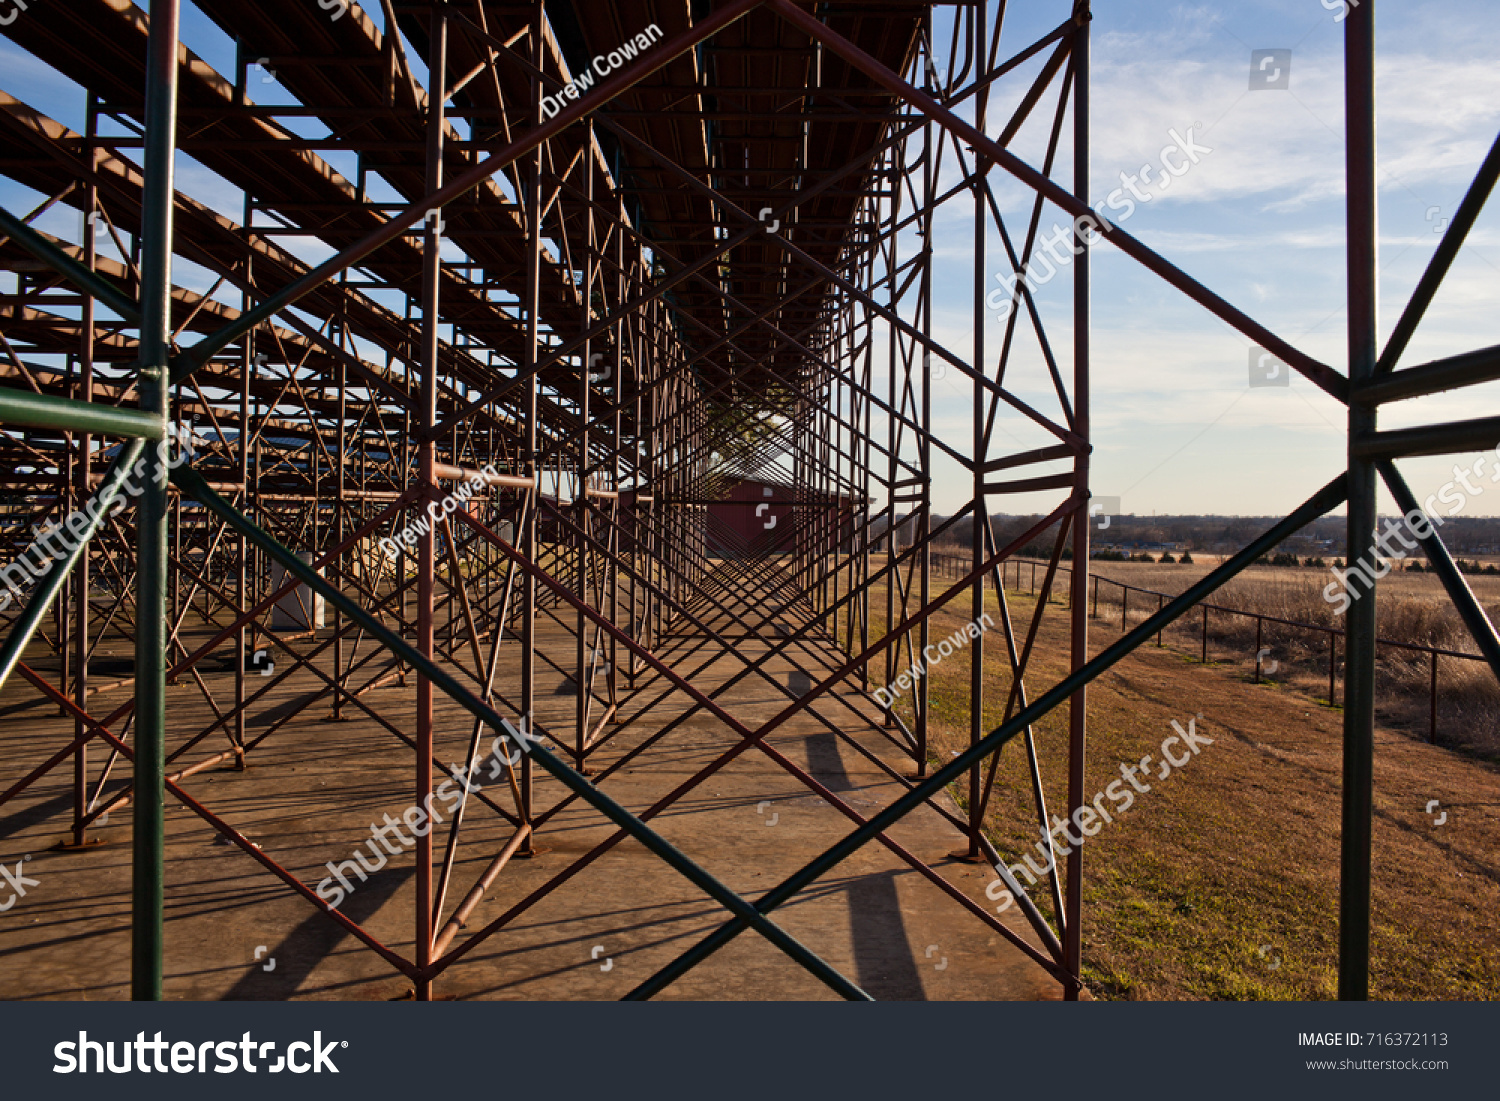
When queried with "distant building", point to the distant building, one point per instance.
{"points": [[756, 519]]}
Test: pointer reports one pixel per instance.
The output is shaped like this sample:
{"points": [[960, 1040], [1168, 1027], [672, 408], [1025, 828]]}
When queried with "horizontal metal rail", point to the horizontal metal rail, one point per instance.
{"points": [[22, 408]]}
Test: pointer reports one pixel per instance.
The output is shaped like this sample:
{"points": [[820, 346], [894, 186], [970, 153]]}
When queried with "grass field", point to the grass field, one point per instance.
{"points": [[1412, 608], [1222, 882]]}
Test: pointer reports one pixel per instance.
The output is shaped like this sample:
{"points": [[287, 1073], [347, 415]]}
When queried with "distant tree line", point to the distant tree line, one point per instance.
{"points": [[1131, 536]]}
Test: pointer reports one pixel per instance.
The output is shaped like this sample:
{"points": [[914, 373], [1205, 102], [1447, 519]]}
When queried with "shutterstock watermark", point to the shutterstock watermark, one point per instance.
{"points": [[600, 67], [85, 1056], [1086, 819], [1055, 251], [1266, 369], [917, 669], [1105, 509], [1270, 70], [17, 881], [1340, 8], [1341, 590], [60, 540], [420, 819]]}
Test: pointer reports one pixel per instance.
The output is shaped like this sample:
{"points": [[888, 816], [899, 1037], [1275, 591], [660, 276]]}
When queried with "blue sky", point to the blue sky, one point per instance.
{"points": [[1259, 220]]}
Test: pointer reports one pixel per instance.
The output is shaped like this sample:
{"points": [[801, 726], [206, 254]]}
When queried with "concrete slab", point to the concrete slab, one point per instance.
{"points": [[314, 788]]}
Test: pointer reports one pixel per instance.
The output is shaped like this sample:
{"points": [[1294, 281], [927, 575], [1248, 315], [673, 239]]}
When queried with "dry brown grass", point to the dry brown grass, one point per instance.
{"points": [[1411, 608], [1232, 865]]}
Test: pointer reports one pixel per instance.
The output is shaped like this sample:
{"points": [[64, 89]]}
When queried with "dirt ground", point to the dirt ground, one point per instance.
{"points": [[565, 925]]}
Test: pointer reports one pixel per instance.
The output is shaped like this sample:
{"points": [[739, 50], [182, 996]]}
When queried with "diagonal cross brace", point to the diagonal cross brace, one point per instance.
{"points": [[1326, 499], [193, 484]]}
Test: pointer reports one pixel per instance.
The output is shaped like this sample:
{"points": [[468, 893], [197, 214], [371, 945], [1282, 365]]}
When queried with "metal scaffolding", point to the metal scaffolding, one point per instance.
{"points": [[597, 269]]}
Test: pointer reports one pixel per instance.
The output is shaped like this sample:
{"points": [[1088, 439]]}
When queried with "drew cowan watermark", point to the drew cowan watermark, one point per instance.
{"points": [[73, 1057], [1088, 815], [1420, 523], [601, 67], [421, 819], [918, 669], [59, 540], [1056, 251], [408, 535]]}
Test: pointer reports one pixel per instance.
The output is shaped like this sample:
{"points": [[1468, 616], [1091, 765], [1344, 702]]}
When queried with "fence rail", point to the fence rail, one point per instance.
{"points": [[953, 565]]}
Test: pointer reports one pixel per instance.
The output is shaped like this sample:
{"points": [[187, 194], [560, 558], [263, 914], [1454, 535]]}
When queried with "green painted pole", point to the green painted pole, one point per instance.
{"points": [[151, 594], [22, 407]]}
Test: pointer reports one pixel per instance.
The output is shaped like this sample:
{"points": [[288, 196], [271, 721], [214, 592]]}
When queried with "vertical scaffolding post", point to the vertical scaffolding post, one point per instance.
{"points": [[532, 506], [583, 651], [84, 469], [1072, 923], [243, 578], [341, 507], [1359, 659], [151, 592], [978, 547], [892, 446], [922, 695], [432, 260], [616, 468]]}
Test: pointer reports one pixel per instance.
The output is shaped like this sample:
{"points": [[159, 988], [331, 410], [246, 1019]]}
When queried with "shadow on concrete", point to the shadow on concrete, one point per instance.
{"points": [[286, 707], [59, 807], [882, 954], [306, 946], [826, 763]]}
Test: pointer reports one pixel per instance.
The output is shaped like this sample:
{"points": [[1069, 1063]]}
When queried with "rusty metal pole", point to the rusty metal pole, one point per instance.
{"points": [[978, 539], [892, 464], [84, 468], [341, 507], [922, 696], [1072, 937], [531, 516], [583, 652], [866, 472], [432, 261], [244, 579], [1359, 658]]}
